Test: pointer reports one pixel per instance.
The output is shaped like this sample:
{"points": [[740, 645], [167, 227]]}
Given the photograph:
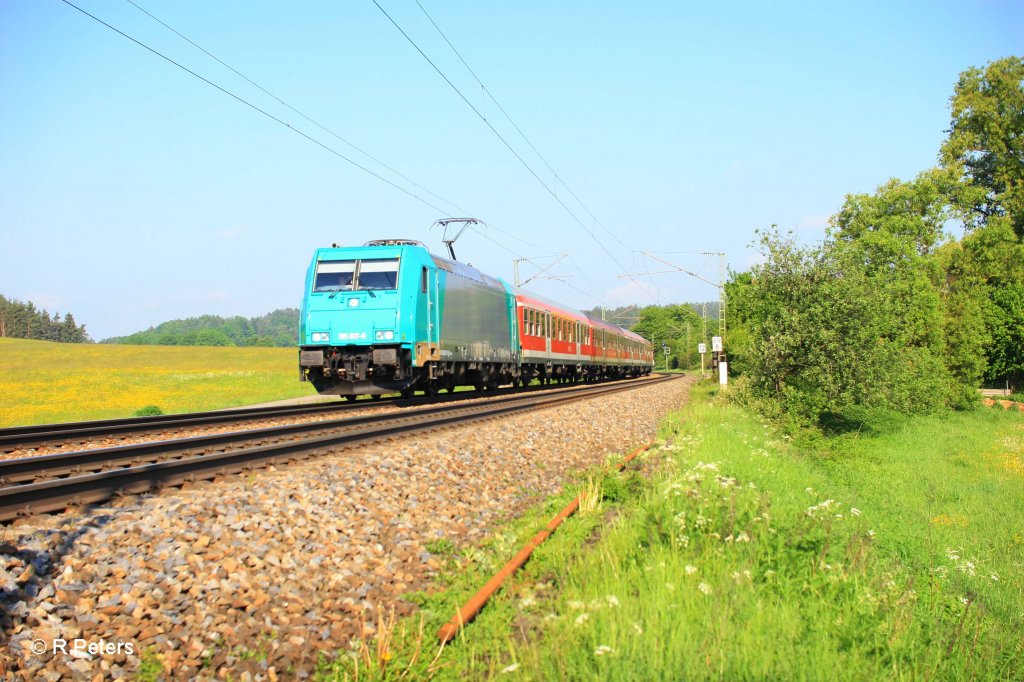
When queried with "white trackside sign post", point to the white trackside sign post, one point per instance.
{"points": [[723, 366]]}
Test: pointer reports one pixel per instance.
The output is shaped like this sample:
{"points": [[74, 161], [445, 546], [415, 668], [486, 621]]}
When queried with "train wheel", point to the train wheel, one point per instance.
{"points": [[351, 398], [430, 390], [408, 393], [478, 387], [375, 396]]}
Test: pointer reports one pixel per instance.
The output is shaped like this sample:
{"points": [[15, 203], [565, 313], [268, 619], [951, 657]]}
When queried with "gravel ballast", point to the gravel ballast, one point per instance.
{"points": [[255, 577]]}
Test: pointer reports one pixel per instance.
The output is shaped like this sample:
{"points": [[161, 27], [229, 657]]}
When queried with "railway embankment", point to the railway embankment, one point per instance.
{"points": [[737, 550], [259, 576]]}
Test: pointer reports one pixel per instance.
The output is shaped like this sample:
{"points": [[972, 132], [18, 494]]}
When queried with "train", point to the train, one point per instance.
{"points": [[392, 317]]}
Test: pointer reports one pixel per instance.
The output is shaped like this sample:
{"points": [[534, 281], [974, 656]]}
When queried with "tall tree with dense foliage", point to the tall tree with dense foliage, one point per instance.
{"points": [[986, 142], [851, 323], [986, 148]]}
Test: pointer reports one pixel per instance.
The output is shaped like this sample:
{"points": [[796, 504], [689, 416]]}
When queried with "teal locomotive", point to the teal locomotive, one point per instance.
{"points": [[390, 316]]}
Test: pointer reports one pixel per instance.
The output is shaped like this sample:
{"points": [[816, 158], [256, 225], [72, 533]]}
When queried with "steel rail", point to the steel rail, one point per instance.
{"points": [[62, 464], [69, 431], [15, 437], [61, 493]]}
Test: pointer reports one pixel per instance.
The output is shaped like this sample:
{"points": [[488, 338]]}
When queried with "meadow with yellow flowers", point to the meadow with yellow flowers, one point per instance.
{"points": [[45, 382]]}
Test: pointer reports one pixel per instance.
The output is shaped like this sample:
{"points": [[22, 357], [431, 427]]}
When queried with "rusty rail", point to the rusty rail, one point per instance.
{"points": [[476, 603]]}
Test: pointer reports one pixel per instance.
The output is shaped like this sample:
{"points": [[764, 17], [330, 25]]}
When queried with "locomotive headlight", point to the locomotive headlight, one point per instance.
{"points": [[384, 336], [321, 337]]}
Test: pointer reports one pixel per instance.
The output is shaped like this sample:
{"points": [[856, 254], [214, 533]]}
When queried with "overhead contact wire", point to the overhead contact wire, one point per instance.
{"points": [[289, 106], [256, 108], [503, 140], [516, 126]]}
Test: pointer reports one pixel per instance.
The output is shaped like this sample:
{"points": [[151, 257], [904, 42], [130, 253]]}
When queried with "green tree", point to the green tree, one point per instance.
{"points": [[675, 325], [986, 142], [1005, 318], [851, 323]]}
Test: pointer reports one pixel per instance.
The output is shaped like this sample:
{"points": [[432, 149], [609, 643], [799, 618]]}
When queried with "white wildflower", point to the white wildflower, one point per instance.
{"points": [[602, 650], [743, 537], [637, 629], [581, 619], [510, 669], [612, 600], [705, 588], [690, 570], [855, 511], [576, 605]]}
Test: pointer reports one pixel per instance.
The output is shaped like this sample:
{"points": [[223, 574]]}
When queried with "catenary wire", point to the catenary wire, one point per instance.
{"points": [[331, 132], [519, 130], [289, 106], [505, 142], [303, 134], [256, 108]]}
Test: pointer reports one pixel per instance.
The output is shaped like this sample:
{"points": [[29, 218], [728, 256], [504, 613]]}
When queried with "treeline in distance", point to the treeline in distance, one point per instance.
{"points": [[25, 321], [278, 328]]}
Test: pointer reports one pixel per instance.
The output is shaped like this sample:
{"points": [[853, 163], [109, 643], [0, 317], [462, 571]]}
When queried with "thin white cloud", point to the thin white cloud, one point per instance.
{"points": [[231, 233], [816, 222], [50, 302]]}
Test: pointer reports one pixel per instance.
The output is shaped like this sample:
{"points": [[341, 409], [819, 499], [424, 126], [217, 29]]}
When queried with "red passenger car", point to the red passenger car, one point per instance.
{"points": [[562, 344]]}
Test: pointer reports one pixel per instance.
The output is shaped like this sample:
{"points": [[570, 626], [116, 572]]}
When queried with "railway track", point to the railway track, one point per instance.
{"points": [[71, 433], [33, 485]]}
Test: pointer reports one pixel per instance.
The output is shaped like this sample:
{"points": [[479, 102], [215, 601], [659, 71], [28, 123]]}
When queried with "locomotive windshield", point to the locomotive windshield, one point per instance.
{"points": [[378, 274], [334, 275], [362, 275]]}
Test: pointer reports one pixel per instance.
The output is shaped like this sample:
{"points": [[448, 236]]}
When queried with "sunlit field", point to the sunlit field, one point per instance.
{"points": [[47, 382]]}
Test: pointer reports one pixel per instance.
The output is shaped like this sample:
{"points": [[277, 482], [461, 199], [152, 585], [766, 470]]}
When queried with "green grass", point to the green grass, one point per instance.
{"points": [[894, 555], [47, 382]]}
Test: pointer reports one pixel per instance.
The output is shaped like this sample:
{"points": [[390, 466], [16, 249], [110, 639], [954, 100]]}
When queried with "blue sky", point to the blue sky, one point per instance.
{"points": [[132, 193]]}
